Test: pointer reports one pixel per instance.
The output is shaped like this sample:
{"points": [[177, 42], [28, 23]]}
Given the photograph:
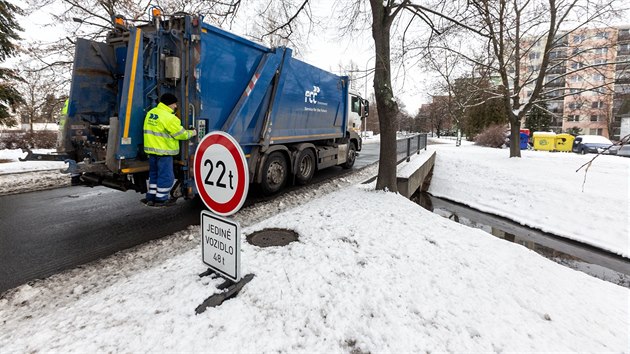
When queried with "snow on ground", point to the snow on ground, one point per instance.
{"points": [[541, 190], [10, 163], [361, 278], [26, 176]]}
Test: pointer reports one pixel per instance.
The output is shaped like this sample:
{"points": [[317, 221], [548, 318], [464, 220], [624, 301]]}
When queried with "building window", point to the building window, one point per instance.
{"points": [[600, 51], [534, 55], [596, 131], [532, 68], [574, 91], [576, 78], [575, 105], [554, 93], [624, 48], [597, 104], [578, 38], [577, 65], [601, 35], [599, 91], [595, 118], [599, 61], [598, 77], [573, 118]]}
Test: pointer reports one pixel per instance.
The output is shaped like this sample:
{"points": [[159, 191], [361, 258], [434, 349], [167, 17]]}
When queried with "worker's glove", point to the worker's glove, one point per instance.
{"points": [[193, 133]]}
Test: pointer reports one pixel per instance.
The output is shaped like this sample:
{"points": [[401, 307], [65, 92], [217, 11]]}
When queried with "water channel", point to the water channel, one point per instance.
{"points": [[576, 255]]}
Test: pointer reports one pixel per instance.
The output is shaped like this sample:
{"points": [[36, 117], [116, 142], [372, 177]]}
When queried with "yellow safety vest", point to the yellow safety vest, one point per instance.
{"points": [[64, 110], [64, 114], [162, 130]]}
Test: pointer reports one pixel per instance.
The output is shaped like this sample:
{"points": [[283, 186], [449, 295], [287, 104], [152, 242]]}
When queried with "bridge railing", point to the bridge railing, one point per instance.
{"points": [[407, 146]]}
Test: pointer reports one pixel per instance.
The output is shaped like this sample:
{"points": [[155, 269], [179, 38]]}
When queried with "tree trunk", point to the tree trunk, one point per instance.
{"points": [[385, 103], [515, 137]]}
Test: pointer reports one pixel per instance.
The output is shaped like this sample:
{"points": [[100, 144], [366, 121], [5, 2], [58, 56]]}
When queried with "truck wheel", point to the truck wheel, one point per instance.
{"points": [[352, 155], [305, 166], [274, 173]]}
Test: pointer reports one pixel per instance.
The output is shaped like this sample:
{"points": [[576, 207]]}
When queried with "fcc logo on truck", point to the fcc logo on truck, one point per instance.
{"points": [[311, 96]]}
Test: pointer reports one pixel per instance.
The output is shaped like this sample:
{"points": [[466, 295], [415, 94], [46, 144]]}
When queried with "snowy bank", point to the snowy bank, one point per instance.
{"points": [[26, 176], [541, 190], [361, 278], [11, 163]]}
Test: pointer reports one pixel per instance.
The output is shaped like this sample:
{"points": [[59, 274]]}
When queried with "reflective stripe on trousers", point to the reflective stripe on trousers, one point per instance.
{"points": [[162, 176]]}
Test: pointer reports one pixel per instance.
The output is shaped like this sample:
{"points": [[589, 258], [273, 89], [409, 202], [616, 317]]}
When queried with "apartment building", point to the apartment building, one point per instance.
{"points": [[587, 82]]}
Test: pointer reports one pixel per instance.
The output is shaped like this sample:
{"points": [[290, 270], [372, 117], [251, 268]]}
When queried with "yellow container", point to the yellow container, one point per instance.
{"points": [[564, 142], [545, 141]]}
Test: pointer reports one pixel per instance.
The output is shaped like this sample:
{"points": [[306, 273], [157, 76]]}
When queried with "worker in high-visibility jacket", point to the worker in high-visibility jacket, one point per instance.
{"points": [[162, 132], [63, 142], [61, 135], [64, 110]]}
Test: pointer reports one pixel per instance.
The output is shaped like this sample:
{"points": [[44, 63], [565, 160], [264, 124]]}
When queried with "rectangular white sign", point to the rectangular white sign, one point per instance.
{"points": [[221, 245]]}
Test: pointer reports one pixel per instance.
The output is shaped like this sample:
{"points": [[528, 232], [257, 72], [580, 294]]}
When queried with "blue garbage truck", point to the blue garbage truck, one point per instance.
{"points": [[289, 117]]}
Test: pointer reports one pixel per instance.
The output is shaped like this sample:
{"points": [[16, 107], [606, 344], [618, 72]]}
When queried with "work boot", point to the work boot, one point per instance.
{"points": [[165, 203], [146, 201], [75, 180]]}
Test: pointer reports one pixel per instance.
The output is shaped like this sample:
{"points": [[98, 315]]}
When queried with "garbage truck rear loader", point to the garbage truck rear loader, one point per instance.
{"points": [[289, 117]]}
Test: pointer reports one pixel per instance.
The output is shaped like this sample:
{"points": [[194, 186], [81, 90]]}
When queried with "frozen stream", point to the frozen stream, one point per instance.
{"points": [[578, 256]]}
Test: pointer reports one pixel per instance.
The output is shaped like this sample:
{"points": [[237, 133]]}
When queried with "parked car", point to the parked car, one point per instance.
{"points": [[624, 151], [584, 144]]}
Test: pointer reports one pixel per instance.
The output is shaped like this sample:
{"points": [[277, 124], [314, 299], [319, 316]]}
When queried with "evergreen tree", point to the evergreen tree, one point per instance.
{"points": [[538, 119], [9, 96], [487, 113]]}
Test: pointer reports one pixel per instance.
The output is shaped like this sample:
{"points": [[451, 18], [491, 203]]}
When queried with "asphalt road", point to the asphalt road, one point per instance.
{"points": [[45, 232]]}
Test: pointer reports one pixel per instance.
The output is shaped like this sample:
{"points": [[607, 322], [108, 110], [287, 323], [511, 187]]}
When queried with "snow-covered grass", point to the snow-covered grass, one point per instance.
{"points": [[26, 176], [12, 164], [371, 272], [542, 190]]}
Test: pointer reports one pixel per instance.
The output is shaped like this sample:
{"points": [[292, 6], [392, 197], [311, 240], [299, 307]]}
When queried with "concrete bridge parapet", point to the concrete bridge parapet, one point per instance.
{"points": [[410, 176]]}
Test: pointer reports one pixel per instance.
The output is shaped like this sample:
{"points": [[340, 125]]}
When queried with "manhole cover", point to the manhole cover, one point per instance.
{"points": [[272, 237]]}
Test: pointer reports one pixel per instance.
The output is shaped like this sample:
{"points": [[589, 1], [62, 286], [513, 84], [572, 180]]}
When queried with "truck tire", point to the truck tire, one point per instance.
{"points": [[275, 173], [352, 155], [305, 166]]}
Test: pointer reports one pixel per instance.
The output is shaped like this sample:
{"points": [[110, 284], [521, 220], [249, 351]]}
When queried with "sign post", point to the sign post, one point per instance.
{"points": [[222, 181]]}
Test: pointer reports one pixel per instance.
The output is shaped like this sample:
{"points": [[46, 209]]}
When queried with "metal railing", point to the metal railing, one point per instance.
{"points": [[405, 147]]}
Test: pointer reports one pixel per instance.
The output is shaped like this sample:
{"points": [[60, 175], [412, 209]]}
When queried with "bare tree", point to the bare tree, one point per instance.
{"points": [[93, 19], [40, 103], [388, 18], [283, 23], [514, 29]]}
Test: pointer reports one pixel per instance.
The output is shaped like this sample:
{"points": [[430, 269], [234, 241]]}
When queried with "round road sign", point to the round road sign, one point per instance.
{"points": [[221, 173]]}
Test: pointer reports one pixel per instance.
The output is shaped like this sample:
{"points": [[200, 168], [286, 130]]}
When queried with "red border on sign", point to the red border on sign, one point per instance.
{"points": [[231, 205]]}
